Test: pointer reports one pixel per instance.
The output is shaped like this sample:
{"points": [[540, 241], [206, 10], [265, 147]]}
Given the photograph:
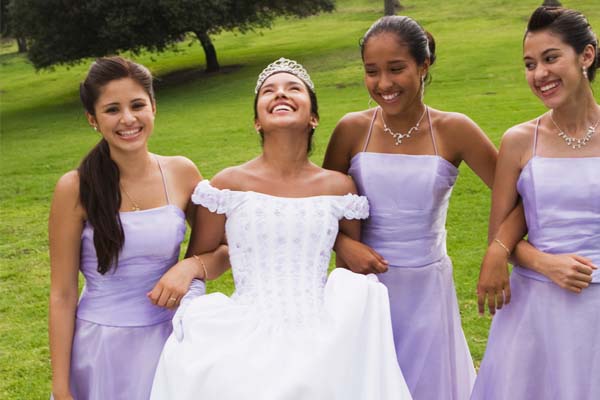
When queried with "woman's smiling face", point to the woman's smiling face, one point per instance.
{"points": [[124, 114]]}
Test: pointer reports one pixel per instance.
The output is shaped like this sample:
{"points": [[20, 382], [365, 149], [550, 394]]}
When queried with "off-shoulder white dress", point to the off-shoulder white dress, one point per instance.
{"points": [[288, 332]]}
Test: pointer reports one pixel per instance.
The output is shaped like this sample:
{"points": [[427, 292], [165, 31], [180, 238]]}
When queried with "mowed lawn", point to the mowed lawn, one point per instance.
{"points": [[209, 119]]}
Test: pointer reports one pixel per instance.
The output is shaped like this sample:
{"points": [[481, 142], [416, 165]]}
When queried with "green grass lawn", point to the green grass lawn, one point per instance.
{"points": [[208, 118]]}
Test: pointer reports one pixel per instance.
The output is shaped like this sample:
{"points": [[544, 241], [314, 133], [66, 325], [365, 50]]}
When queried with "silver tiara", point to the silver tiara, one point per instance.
{"points": [[284, 65]]}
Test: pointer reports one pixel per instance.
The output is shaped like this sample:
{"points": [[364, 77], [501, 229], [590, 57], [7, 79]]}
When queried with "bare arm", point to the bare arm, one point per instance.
{"points": [[64, 228], [472, 146], [493, 285], [350, 252], [206, 258], [569, 271], [341, 144]]}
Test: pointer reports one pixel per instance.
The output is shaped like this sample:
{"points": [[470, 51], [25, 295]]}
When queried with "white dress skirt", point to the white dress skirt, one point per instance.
{"points": [[288, 332]]}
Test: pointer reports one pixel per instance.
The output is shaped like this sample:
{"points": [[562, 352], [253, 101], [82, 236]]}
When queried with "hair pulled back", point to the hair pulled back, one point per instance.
{"points": [[99, 191], [314, 110], [572, 27], [408, 32]]}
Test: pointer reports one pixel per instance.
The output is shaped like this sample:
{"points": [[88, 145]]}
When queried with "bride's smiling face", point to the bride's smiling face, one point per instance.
{"points": [[284, 100]]}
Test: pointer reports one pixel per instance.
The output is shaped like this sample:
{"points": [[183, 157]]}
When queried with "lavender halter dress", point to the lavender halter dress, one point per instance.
{"points": [[546, 343], [119, 333], [408, 196]]}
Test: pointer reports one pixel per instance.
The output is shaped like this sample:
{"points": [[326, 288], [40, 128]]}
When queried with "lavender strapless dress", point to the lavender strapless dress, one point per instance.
{"points": [[119, 333], [409, 196], [546, 343]]}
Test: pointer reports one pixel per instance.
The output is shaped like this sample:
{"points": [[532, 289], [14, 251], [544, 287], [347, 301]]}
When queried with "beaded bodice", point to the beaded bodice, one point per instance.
{"points": [[280, 247]]}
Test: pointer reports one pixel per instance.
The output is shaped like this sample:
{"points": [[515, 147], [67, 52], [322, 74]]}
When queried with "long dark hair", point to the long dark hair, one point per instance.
{"points": [[99, 190], [572, 27]]}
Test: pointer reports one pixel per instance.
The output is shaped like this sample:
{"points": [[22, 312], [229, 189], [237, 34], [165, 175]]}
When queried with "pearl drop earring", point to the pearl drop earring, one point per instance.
{"points": [[585, 73]]}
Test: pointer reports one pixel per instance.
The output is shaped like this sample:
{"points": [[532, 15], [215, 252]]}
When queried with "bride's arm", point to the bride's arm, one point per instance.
{"points": [[350, 252]]}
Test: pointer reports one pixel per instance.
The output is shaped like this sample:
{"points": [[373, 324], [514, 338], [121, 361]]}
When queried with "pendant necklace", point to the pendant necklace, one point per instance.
{"points": [[398, 136], [572, 142], [134, 205]]}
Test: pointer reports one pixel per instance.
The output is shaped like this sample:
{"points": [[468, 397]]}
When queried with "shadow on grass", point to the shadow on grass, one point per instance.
{"points": [[188, 75]]}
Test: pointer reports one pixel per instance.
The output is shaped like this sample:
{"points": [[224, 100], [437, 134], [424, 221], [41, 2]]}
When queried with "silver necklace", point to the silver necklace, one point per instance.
{"points": [[572, 142], [398, 136]]}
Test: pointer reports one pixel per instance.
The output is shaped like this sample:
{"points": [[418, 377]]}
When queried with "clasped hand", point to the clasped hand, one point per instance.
{"points": [[360, 258], [569, 271], [174, 284]]}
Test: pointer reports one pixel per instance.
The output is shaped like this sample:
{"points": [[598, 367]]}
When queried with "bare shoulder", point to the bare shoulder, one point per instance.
{"points": [[453, 123], [231, 178], [520, 136], [68, 185], [179, 165], [354, 125], [335, 183], [66, 193], [355, 119]]}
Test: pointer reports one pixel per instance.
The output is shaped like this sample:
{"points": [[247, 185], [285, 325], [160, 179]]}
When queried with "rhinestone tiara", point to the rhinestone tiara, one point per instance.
{"points": [[284, 65]]}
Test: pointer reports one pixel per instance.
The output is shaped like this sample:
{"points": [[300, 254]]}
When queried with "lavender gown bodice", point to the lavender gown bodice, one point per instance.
{"points": [[561, 198], [408, 196], [118, 298]]}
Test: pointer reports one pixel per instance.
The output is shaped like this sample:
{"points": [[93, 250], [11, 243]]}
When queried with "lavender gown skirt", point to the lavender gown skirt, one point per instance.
{"points": [[409, 198], [119, 334], [546, 343]]}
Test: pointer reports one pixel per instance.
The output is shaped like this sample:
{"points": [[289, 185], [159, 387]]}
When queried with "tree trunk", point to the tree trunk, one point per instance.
{"points": [[212, 64], [390, 7], [22, 45]]}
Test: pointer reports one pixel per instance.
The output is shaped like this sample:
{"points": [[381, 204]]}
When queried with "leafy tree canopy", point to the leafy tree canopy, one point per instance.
{"points": [[65, 31]]}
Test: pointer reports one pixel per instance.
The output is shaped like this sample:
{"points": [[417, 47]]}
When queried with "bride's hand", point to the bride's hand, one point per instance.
{"points": [[174, 284], [360, 258]]}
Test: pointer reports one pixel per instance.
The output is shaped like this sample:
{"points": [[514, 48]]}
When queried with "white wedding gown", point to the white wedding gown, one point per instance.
{"points": [[288, 332]]}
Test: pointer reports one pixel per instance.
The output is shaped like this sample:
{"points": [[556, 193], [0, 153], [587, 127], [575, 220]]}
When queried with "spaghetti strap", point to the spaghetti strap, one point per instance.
{"points": [[370, 130], [164, 180], [431, 131], [535, 136]]}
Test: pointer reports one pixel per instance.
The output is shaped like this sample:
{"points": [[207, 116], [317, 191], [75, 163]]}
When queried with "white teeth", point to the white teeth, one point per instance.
{"points": [[282, 107], [389, 97], [549, 86], [129, 133]]}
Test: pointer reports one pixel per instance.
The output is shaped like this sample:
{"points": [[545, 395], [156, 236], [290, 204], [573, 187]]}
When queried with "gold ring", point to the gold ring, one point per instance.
{"points": [[172, 298]]}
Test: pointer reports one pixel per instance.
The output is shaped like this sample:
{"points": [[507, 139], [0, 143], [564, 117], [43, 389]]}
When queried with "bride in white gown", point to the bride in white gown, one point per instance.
{"points": [[288, 332]]}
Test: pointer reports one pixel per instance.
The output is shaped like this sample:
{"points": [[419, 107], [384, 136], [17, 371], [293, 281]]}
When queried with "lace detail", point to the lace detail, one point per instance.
{"points": [[354, 207], [214, 199], [280, 249]]}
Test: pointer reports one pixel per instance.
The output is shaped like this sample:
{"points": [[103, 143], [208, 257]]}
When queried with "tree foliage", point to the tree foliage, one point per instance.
{"points": [[8, 27], [65, 31]]}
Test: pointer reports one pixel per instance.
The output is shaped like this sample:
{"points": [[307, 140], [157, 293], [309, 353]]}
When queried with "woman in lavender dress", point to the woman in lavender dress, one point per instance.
{"points": [[544, 345], [404, 157], [119, 219]]}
